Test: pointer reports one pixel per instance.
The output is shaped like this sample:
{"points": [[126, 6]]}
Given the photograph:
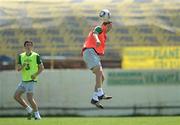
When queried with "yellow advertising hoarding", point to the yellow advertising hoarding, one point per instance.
{"points": [[151, 58]]}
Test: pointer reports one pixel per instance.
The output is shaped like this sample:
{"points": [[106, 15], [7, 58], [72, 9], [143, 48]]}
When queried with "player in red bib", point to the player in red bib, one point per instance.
{"points": [[93, 47]]}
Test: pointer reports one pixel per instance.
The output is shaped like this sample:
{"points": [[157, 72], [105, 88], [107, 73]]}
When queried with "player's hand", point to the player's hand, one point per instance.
{"points": [[24, 64], [33, 76], [98, 43]]}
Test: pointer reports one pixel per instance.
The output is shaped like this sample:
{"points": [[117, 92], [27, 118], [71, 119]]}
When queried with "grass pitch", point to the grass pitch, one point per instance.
{"points": [[93, 121]]}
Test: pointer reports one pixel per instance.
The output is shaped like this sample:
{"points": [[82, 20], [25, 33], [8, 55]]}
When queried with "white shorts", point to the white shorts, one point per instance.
{"points": [[91, 58], [27, 87]]}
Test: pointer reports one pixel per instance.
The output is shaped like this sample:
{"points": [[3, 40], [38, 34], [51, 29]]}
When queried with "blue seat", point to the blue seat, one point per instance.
{"points": [[8, 32], [174, 38], [145, 30], [126, 38], [57, 39], [122, 30], [54, 31], [151, 38], [29, 32]]}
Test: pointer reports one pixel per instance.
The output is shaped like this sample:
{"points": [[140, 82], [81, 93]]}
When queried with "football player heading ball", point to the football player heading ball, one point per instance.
{"points": [[93, 48]]}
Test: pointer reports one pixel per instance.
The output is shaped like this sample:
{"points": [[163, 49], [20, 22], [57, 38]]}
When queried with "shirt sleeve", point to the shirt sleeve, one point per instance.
{"points": [[39, 61], [97, 30], [19, 60]]}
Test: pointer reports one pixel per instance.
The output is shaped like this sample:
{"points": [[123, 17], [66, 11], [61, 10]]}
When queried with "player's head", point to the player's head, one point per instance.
{"points": [[107, 26], [28, 45]]}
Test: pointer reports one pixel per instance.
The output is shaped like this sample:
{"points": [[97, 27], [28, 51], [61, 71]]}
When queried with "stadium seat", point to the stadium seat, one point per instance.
{"points": [[174, 38], [57, 27], [8, 33]]}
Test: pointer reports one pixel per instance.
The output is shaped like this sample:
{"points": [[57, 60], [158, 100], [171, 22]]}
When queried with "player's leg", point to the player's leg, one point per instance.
{"points": [[97, 89], [17, 96], [19, 99], [102, 77], [32, 102], [33, 105], [92, 61], [104, 96], [98, 71]]}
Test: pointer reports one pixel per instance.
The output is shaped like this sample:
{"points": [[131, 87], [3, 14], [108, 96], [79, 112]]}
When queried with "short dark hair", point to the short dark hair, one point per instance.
{"points": [[108, 22], [28, 41]]}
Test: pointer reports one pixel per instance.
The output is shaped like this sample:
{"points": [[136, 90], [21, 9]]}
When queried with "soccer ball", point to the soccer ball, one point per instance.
{"points": [[105, 15]]}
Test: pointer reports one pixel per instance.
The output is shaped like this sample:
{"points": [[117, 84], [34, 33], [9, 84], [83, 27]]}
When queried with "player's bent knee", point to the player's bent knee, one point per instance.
{"points": [[96, 69], [16, 96], [98, 73], [30, 97], [103, 78]]}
